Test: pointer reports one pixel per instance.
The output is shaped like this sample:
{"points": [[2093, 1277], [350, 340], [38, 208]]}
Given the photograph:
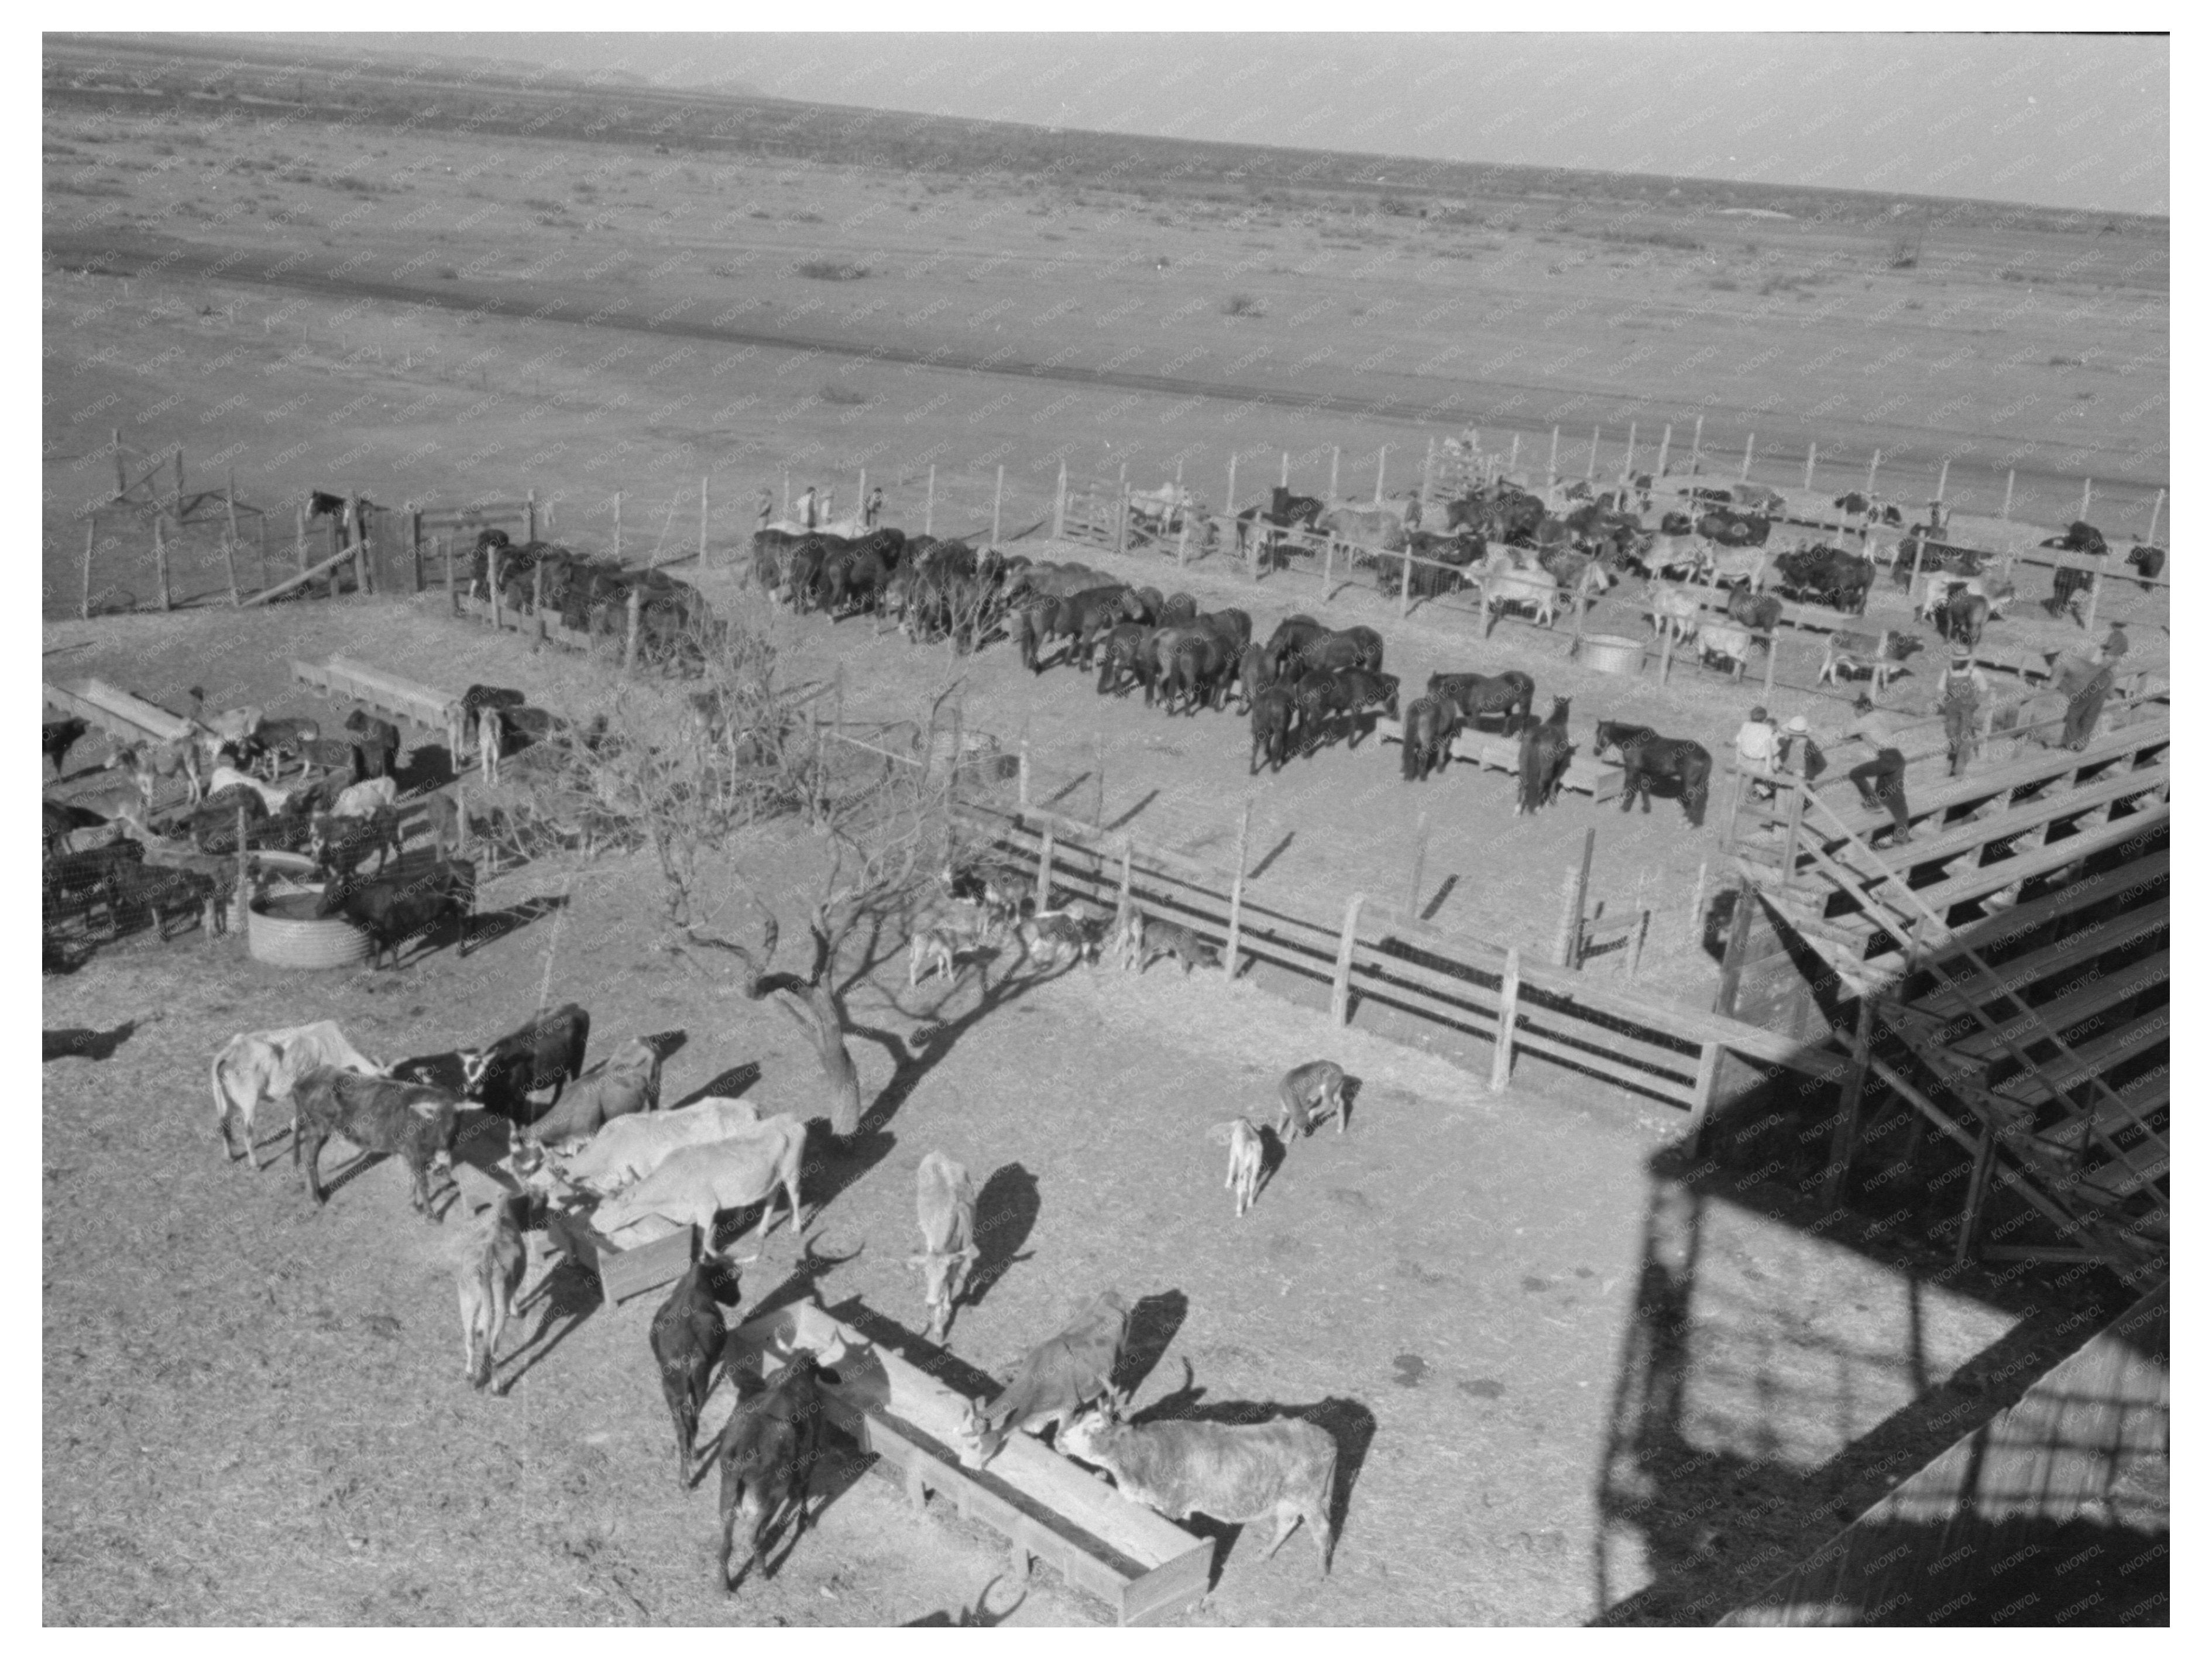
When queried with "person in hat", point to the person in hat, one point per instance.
{"points": [[874, 512], [807, 508], [2086, 682], [1881, 782], [1755, 750], [1963, 692], [1796, 751]]}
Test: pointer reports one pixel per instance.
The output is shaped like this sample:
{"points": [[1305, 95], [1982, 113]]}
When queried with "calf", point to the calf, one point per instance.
{"points": [[56, 737], [365, 798], [766, 1455], [1234, 1472], [627, 1081], [1856, 653], [545, 1054], [392, 911], [258, 1067], [695, 1184], [1053, 1381], [944, 1206], [487, 1277], [1308, 1093], [1061, 938], [148, 762], [378, 1115], [687, 1337], [341, 844], [1164, 938], [631, 1148], [282, 740], [1246, 1154], [932, 948]]}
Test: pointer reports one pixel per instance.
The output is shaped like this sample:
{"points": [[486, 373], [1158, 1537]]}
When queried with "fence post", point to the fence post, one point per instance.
{"points": [[2082, 514], [1565, 949], [1120, 542], [1229, 502], [414, 545], [1636, 944], [1327, 566], [629, 635], [161, 564], [1339, 995], [1513, 461], [1811, 450], [1666, 650], [1628, 455], [998, 495], [2158, 505], [1697, 444], [1552, 466], [1335, 454], [529, 513], [1508, 1008], [1665, 441], [1405, 582], [2096, 591], [702, 521], [1747, 442], [452, 598], [538, 598], [1428, 473], [1382, 463], [1844, 1141], [928, 501], [1021, 778], [1701, 1093], [1420, 858], [492, 575], [1872, 466], [1236, 894], [1696, 907], [1059, 504], [2005, 512], [1589, 469], [299, 537], [230, 565], [1773, 638], [1790, 832], [461, 809], [1183, 543], [1044, 871], [1099, 782], [84, 588], [1943, 479]]}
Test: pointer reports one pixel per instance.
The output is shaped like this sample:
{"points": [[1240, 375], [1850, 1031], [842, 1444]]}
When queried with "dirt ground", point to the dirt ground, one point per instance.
{"points": [[1451, 1284]]}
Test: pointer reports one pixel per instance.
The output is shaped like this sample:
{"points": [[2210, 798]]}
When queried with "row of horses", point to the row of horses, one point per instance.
{"points": [[592, 594]]}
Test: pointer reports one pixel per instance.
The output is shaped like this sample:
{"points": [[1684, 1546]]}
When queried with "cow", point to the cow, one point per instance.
{"points": [[57, 737], [339, 845], [767, 1457], [259, 1067], [377, 745], [687, 1337], [626, 1082], [1172, 938], [1536, 590], [1246, 1155], [1677, 613], [392, 909], [378, 1115], [2147, 563], [1234, 1472], [148, 762], [1854, 653], [1053, 1381], [545, 1054], [631, 1148], [1308, 1093], [697, 1183], [944, 1207], [487, 1277], [442, 816]]}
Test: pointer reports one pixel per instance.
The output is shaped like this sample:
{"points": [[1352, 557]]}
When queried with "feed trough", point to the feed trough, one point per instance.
{"points": [[1613, 653], [284, 931]]}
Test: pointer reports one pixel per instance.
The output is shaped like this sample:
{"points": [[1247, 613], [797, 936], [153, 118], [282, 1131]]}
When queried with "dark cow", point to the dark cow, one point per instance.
{"points": [[1828, 575], [2147, 563], [378, 1115], [1054, 1380], [766, 1455], [547, 1053], [687, 1337], [377, 744], [56, 737], [393, 909]]}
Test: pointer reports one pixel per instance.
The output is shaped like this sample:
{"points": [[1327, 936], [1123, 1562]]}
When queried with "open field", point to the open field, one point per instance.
{"points": [[354, 291]]}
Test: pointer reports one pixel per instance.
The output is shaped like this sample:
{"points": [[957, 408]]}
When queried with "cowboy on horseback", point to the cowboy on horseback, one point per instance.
{"points": [[1963, 692]]}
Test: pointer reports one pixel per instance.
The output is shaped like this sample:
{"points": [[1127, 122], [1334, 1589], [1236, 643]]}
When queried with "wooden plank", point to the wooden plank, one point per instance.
{"points": [[2103, 991], [2018, 819], [391, 692], [120, 714], [2052, 855]]}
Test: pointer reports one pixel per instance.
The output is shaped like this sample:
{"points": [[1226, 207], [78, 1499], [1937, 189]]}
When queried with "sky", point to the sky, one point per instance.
{"points": [[2057, 120]]}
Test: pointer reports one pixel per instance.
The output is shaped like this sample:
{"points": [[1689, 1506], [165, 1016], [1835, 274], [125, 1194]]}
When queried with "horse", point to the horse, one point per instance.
{"points": [[1195, 671], [1645, 756], [1256, 672], [1117, 660], [1545, 752], [1273, 709], [1299, 511], [1430, 724], [1510, 694], [1289, 640]]}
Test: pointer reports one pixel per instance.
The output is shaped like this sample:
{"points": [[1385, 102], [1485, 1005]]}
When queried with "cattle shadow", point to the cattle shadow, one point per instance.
{"points": [[963, 1376], [1348, 1423], [667, 1045], [1145, 800], [1270, 856], [726, 1085], [801, 1284], [571, 1294], [443, 1198], [490, 926], [980, 1617], [429, 766], [1153, 1324], [1429, 911], [83, 1043], [1006, 1210], [1274, 1152]]}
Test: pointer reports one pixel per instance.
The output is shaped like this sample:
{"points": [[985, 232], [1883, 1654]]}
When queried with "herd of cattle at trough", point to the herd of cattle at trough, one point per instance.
{"points": [[563, 1139]]}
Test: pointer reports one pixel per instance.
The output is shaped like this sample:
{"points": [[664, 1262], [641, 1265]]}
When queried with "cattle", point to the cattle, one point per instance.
{"points": [[1053, 1381], [378, 747], [626, 1082], [259, 1067], [1235, 1471], [695, 1184], [228, 725], [945, 1208], [630, 1148], [2147, 563], [360, 800], [442, 816], [1538, 590], [1058, 937], [1868, 653], [487, 1277], [1308, 1093], [148, 762], [378, 1115], [687, 1337], [1725, 642], [392, 909], [1373, 528], [767, 1457], [339, 846], [1274, 711], [1760, 612], [57, 737], [1677, 613], [546, 1053], [1172, 938], [281, 740], [1827, 575], [1246, 1155]]}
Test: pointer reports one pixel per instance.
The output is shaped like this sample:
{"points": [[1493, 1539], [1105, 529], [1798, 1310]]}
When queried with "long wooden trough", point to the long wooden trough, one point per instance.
{"points": [[1147, 1569], [386, 693], [122, 715]]}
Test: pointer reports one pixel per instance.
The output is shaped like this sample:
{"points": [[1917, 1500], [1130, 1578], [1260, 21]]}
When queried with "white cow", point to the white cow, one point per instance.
{"points": [[361, 800], [944, 1207], [629, 1148], [271, 797], [255, 1067], [696, 1183]]}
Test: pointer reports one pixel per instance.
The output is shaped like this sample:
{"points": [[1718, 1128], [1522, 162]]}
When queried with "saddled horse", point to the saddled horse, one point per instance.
{"points": [[1511, 693], [1544, 752], [1273, 710], [1645, 757], [1430, 724]]}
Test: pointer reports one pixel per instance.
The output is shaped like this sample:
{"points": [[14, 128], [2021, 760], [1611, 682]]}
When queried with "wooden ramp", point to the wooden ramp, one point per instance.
{"points": [[386, 693], [122, 715], [1149, 1570]]}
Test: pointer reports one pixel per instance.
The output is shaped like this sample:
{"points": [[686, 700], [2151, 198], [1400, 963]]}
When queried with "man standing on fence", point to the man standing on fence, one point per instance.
{"points": [[874, 512], [1881, 782], [1796, 752], [1755, 750], [807, 508], [766, 511], [1964, 694]]}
